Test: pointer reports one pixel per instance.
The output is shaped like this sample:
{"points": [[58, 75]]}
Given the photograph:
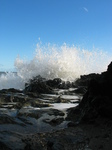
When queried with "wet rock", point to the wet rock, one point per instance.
{"points": [[80, 90], [41, 85], [35, 103], [55, 112], [39, 105], [29, 113], [61, 100], [5, 119], [37, 85], [55, 83], [60, 84], [11, 141], [18, 105], [54, 122], [32, 95]]}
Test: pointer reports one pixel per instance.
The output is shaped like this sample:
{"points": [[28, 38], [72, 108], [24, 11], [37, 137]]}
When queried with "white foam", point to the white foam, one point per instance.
{"points": [[52, 61], [65, 62], [63, 106]]}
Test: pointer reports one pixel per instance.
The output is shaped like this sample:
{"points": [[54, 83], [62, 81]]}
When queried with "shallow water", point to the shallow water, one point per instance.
{"points": [[26, 124]]}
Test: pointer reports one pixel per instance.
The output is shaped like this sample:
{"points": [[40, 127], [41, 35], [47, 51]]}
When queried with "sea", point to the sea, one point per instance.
{"points": [[54, 61]]}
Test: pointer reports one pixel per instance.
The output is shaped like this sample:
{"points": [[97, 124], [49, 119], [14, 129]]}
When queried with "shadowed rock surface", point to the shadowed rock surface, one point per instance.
{"points": [[98, 98]]}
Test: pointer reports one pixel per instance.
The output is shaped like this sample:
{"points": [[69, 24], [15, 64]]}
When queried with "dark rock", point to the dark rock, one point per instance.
{"points": [[55, 83], [32, 94], [29, 113], [38, 85], [55, 112], [66, 85], [10, 90], [41, 85], [97, 101], [84, 80], [54, 122], [54, 146], [74, 114], [98, 98], [71, 124], [58, 83], [109, 69], [3, 146], [80, 90], [5, 119]]}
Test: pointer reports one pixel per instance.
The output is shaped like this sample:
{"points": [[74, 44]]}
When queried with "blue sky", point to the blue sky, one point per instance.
{"points": [[85, 23]]}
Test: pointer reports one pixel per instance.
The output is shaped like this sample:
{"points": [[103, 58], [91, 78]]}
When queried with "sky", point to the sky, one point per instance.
{"points": [[23, 23]]}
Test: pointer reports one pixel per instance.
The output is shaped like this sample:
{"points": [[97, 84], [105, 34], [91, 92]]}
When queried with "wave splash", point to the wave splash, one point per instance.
{"points": [[52, 61]]}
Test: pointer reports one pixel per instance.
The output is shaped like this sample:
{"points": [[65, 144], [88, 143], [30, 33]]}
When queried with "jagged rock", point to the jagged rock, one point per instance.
{"points": [[97, 101], [55, 83], [38, 85], [84, 80], [41, 85], [98, 98]]}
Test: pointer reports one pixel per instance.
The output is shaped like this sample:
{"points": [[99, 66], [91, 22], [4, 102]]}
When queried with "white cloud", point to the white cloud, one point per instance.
{"points": [[85, 9]]}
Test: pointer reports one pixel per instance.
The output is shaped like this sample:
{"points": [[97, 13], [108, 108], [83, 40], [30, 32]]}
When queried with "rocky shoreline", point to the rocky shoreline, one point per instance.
{"points": [[58, 115]]}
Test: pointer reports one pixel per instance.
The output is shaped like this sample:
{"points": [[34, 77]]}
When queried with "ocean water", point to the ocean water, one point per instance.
{"points": [[52, 61]]}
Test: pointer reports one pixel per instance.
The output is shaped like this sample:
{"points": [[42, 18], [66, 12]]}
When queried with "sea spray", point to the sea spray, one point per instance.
{"points": [[52, 61], [65, 62], [11, 80]]}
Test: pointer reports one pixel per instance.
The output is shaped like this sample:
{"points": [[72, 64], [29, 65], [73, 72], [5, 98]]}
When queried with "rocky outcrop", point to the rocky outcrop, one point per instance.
{"points": [[84, 80], [60, 84], [41, 85], [98, 99], [38, 85]]}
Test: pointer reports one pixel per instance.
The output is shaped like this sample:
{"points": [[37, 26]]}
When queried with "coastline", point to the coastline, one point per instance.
{"points": [[87, 126]]}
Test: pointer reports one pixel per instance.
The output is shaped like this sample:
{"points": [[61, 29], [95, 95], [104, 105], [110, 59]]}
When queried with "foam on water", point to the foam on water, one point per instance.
{"points": [[52, 61]]}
